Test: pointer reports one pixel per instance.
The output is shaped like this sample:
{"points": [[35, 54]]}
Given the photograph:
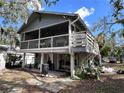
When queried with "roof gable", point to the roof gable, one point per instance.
{"points": [[41, 19]]}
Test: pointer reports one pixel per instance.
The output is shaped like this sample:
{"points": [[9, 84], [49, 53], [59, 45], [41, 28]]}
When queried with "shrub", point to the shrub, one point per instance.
{"points": [[89, 71]]}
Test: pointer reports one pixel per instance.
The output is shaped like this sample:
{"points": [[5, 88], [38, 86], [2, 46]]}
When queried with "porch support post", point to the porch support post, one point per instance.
{"points": [[23, 63], [72, 64], [41, 62], [51, 58], [70, 39], [72, 70]]}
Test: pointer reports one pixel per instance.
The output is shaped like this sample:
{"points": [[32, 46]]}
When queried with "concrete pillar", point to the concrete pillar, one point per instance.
{"points": [[41, 62], [23, 63], [72, 58]]}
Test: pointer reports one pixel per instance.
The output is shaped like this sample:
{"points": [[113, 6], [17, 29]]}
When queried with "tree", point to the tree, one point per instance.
{"points": [[15, 10], [9, 36], [118, 7], [106, 27], [105, 51]]}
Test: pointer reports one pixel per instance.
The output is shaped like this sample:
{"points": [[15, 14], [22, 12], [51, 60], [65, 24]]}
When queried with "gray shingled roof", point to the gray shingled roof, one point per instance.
{"points": [[54, 13]]}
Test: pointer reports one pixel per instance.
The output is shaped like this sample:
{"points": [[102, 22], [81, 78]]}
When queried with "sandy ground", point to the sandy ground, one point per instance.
{"points": [[21, 81], [109, 83]]}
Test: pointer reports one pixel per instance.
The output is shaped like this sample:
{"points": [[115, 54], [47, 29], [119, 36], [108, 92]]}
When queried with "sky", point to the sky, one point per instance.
{"points": [[89, 10]]}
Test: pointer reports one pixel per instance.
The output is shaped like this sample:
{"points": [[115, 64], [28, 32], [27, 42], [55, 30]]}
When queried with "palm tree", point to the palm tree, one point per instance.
{"points": [[101, 39]]}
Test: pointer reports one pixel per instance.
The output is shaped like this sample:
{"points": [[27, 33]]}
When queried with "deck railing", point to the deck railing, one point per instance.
{"points": [[83, 38], [52, 41], [78, 39]]}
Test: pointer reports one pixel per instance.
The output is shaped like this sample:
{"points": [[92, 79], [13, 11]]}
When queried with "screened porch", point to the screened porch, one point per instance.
{"points": [[53, 36]]}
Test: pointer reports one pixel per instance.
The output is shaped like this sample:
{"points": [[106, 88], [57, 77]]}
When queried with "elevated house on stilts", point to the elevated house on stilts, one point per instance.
{"points": [[62, 38]]}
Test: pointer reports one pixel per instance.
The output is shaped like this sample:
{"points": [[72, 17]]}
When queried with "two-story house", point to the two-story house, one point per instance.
{"points": [[60, 38]]}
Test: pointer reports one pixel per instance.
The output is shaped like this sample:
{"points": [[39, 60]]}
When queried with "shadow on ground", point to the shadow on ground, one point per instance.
{"points": [[23, 81], [108, 85], [26, 81], [11, 81]]}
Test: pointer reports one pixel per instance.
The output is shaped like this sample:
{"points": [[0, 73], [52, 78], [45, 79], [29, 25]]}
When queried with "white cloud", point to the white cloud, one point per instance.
{"points": [[42, 8], [34, 5], [84, 12], [87, 23]]}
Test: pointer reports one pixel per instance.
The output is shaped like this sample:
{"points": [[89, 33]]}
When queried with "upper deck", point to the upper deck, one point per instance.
{"points": [[61, 36], [58, 41]]}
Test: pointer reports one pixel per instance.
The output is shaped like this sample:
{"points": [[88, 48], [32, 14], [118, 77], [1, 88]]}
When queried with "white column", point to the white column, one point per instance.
{"points": [[70, 52], [72, 64], [51, 41], [41, 62], [51, 57], [23, 63], [70, 37]]}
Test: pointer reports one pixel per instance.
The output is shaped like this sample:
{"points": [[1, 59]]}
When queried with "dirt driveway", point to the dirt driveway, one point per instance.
{"points": [[21, 81]]}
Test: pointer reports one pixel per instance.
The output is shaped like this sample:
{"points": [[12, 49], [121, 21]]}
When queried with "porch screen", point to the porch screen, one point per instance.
{"points": [[54, 30], [31, 35]]}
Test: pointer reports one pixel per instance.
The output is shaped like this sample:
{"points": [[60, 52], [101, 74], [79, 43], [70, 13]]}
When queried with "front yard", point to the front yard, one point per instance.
{"points": [[22, 81]]}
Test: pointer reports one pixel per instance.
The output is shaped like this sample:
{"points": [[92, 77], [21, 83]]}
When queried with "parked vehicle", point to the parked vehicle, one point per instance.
{"points": [[112, 60]]}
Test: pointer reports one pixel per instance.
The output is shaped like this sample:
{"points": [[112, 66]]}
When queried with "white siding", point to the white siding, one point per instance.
{"points": [[2, 61]]}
